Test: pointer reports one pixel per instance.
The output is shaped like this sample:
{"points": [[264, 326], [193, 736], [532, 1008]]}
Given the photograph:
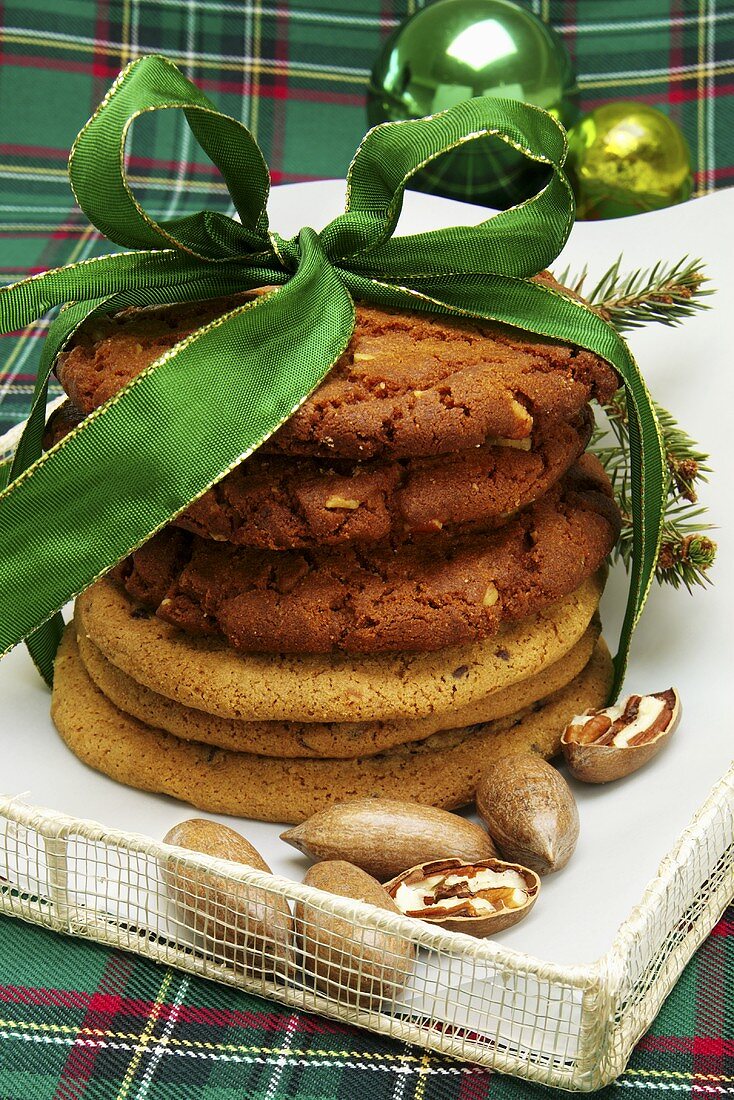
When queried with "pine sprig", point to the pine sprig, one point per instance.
{"points": [[686, 552], [666, 293]]}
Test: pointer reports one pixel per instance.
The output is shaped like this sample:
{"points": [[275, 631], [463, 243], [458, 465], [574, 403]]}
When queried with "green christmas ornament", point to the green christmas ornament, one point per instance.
{"points": [[626, 158], [454, 50]]}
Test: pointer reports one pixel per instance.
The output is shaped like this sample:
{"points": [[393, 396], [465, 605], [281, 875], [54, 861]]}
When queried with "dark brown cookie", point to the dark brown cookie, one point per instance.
{"points": [[419, 597], [408, 384], [274, 502]]}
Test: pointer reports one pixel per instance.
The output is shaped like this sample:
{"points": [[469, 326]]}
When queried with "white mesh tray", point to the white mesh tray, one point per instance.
{"points": [[568, 1026]]}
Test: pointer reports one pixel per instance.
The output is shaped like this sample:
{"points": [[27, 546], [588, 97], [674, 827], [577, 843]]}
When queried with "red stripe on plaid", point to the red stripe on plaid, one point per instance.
{"points": [[724, 927], [102, 33], [47, 998], [475, 1085], [679, 94], [101, 1010], [676, 57], [708, 1054], [718, 174], [279, 91], [57, 235], [276, 91], [43, 152], [686, 1044], [47, 152], [64, 65], [109, 1004], [28, 379]]}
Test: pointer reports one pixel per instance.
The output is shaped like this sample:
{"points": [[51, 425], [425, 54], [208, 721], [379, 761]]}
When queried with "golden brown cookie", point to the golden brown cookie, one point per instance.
{"points": [[206, 674], [440, 771], [408, 384], [442, 592], [276, 502], [320, 739]]}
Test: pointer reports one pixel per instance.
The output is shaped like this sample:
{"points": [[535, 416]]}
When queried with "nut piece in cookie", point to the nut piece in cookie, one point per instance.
{"points": [[601, 745], [478, 899]]}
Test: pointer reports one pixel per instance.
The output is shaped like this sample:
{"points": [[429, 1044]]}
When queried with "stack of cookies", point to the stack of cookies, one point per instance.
{"points": [[399, 585]]}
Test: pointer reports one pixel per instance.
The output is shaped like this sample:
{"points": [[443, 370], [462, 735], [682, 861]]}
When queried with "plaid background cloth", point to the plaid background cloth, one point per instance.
{"points": [[77, 1021]]}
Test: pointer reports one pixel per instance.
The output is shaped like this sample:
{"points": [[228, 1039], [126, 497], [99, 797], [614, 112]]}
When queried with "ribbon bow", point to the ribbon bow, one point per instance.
{"points": [[136, 462]]}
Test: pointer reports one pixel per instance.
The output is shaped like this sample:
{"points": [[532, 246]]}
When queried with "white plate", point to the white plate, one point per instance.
{"points": [[683, 640]]}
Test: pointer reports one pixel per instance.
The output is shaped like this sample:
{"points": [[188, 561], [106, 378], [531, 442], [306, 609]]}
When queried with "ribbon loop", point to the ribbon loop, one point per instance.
{"points": [[99, 179], [518, 242]]}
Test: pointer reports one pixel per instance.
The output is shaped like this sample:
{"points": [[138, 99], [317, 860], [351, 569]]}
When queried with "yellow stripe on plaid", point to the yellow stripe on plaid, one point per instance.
{"points": [[197, 61], [145, 1037], [233, 1048]]}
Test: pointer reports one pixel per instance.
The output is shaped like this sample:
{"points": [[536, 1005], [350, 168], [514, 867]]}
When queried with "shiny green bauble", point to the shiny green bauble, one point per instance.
{"points": [[454, 50], [626, 158]]}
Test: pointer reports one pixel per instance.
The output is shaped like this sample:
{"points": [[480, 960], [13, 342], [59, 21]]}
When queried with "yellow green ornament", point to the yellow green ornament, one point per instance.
{"points": [[626, 158], [454, 50]]}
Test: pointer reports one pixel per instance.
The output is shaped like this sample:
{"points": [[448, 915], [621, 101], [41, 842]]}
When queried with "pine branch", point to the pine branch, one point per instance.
{"points": [[666, 293], [686, 553]]}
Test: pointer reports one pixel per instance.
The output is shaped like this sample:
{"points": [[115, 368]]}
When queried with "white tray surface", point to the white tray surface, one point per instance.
{"points": [[686, 641]]}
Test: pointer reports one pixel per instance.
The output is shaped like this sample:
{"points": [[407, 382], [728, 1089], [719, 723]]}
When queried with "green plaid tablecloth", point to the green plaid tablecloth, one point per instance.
{"points": [[78, 1021]]}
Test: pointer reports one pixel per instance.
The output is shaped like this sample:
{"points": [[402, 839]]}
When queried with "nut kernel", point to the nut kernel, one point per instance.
{"points": [[479, 899], [491, 596], [610, 743], [525, 444]]}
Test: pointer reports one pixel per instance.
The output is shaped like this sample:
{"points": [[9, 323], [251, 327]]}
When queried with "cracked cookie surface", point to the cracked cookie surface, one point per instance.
{"points": [[408, 383], [376, 599], [279, 502]]}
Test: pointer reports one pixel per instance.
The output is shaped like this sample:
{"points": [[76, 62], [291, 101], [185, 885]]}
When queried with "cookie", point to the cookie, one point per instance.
{"points": [[440, 771], [206, 674], [313, 739], [408, 383], [274, 502], [375, 600]]}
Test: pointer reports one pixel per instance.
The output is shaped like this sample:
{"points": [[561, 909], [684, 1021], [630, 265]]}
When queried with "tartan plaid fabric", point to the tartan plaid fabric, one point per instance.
{"points": [[78, 1022]]}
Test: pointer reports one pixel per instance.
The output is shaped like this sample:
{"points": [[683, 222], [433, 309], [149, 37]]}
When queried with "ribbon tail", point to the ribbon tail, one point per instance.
{"points": [[109, 485], [43, 643], [190, 282], [538, 308], [23, 302]]}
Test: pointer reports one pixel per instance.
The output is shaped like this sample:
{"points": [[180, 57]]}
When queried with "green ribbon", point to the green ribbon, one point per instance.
{"points": [[136, 462]]}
